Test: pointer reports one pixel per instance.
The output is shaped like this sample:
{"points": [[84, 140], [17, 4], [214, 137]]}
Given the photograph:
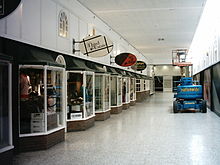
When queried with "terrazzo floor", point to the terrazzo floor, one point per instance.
{"points": [[146, 134]]}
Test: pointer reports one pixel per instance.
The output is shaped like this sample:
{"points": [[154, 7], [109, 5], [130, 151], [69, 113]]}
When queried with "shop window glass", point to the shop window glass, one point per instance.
{"points": [[119, 91], [54, 99], [32, 118], [40, 99], [88, 93], [107, 93], [124, 88], [4, 105], [99, 93], [138, 85], [134, 86], [132, 89], [75, 99], [114, 91], [144, 85], [127, 89]]}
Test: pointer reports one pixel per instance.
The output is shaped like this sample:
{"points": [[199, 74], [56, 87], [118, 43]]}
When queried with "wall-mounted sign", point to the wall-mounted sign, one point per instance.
{"points": [[96, 46], [7, 7], [139, 66], [125, 59]]}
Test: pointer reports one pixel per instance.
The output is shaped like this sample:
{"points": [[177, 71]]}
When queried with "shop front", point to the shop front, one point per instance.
{"points": [[41, 100], [102, 91], [80, 95], [146, 89], [126, 92], [116, 91], [133, 91], [140, 96], [125, 88]]}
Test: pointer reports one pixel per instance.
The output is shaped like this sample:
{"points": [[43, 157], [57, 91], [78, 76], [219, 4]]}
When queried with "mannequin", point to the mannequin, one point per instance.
{"points": [[24, 86]]}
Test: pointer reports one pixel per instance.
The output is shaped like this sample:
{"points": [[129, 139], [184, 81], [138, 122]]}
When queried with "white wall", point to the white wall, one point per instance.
{"points": [[167, 83], [205, 48], [36, 22], [167, 70]]}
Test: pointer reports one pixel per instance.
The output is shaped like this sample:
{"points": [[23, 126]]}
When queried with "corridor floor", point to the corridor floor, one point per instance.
{"points": [[146, 134]]}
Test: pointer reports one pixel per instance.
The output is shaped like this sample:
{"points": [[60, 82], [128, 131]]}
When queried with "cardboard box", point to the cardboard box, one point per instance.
{"points": [[76, 115], [37, 126], [37, 116]]}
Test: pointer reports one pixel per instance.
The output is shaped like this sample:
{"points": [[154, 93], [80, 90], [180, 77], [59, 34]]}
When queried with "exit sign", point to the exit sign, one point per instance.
{"points": [[1, 7]]}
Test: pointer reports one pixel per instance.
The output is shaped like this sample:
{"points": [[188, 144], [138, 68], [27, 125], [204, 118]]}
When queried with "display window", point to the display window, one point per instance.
{"points": [[138, 85], [151, 86], [133, 89], [5, 106], [142, 85], [145, 85], [80, 95], [102, 92], [41, 99], [116, 90], [126, 90]]}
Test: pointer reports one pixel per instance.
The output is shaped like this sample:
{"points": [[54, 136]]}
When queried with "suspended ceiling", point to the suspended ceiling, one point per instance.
{"points": [[154, 27]]}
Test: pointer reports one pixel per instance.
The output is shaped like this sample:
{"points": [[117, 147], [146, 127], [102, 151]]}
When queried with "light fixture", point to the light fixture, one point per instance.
{"points": [[160, 39]]}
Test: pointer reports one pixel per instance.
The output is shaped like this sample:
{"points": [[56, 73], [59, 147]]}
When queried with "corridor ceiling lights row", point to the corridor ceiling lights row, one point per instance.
{"points": [[142, 22]]}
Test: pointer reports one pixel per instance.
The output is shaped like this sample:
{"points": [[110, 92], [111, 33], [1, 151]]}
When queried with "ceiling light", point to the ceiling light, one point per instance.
{"points": [[160, 39]]}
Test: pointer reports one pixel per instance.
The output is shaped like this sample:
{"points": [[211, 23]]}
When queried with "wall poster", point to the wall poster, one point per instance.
{"points": [[207, 87], [215, 92]]}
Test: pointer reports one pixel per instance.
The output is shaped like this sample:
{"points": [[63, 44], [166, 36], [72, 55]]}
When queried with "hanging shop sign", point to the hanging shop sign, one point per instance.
{"points": [[7, 7], [96, 46], [125, 59], [139, 66]]}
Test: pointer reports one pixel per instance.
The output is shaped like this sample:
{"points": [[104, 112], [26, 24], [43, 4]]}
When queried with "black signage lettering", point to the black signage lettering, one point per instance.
{"points": [[139, 66]]}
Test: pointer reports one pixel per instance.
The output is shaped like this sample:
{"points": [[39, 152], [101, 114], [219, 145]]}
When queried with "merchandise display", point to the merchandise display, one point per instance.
{"points": [[41, 97], [138, 85], [80, 95], [102, 92], [116, 90], [133, 89], [126, 90]]}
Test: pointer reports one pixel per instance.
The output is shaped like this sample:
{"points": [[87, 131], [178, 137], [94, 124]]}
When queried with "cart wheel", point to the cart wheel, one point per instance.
{"points": [[204, 107], [175, 107]]}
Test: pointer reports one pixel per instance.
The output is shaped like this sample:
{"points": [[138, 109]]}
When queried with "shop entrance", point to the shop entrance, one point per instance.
{"points": [[158, 83]]}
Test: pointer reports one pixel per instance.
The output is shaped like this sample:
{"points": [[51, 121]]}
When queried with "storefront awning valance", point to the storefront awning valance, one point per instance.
{"points": [[98, 68], [111, 70], [121, 72], [129, 74], [73, 63], [138, 76], [30, 55], [4, 57]]}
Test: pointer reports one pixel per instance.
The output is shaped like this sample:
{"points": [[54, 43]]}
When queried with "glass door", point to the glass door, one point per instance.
{"points": [[5, 105]]}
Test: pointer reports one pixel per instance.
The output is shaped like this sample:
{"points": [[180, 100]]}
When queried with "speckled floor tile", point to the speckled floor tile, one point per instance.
{"points": [[146, 134]]}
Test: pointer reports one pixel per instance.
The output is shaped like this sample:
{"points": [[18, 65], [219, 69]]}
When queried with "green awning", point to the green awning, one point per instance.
{"points": [[111, 70], [138, 76], [97, 68], [73, 63], [29, 55], [129, 74], [5, 58], [121, 72]]}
